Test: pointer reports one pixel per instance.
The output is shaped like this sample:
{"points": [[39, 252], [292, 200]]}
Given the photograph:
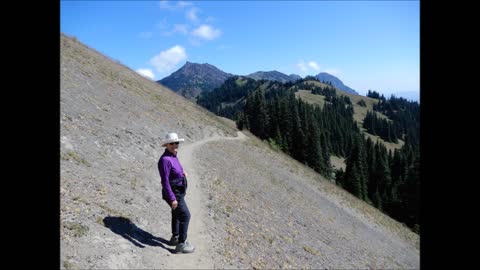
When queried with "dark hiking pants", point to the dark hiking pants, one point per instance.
{"points": [[180, 218]]}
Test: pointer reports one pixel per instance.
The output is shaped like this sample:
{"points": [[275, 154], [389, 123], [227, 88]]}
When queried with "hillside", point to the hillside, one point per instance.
{"points": [[248, 202], [359, 111], [112, 121], [290, 217]]}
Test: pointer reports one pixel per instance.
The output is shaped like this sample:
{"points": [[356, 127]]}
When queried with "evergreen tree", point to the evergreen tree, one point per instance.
{"points": [[362, 103], [285, 119], [413, 187], [377, 200], [278, 138], [314, 156], [262, 119], [299, 139], [240, 120], [371, 164], [382, 173], [357, 171], [339, 177]]}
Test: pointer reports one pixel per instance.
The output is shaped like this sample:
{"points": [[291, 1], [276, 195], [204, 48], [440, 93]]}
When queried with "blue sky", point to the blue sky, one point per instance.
{"points": [[366, 44]]}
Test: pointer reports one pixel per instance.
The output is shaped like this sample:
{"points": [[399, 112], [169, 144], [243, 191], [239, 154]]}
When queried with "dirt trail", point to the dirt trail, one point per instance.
{"points": [[197, 232]]}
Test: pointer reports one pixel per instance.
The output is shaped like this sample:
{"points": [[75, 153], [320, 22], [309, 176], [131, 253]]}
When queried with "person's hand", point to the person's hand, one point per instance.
{"points": [[174, 204], [184, 173]]}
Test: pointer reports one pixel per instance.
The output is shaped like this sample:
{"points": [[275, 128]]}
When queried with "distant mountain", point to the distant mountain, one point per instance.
{"points": [[295, 77], [192, 79], [323, 76], [273, 76]]}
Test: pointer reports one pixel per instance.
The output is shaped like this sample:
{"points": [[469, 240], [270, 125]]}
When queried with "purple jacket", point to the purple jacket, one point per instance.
{"points": [[169, 168]]}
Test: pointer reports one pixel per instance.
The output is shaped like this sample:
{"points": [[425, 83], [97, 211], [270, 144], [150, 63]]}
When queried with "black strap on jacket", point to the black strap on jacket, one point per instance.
{"points": [[179, 185]]}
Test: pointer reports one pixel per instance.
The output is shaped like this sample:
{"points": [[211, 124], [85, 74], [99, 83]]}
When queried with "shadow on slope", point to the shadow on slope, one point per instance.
{"points": [[128, 230]]}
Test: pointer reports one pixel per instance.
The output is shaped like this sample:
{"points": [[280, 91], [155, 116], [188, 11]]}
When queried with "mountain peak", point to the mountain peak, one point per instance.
{"points": [[189, 64], [324, 76], [193, 78]]}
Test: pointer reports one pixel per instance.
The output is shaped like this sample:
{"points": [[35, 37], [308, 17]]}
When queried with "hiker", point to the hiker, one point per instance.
{"points": [[174, 186]]}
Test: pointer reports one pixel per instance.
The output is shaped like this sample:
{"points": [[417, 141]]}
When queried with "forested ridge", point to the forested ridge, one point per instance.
{"points": [[310, 134]]}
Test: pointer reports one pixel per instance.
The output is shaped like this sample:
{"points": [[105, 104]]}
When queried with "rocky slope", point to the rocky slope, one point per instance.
{"points": [[251, 207], [112, 122]]}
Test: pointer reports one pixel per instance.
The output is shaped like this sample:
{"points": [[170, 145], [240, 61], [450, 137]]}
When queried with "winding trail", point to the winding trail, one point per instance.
{"points": [[197, 232]]}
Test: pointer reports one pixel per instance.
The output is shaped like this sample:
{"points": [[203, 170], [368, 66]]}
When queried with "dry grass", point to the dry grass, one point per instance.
{"points": [[311, 250], [307, 96], [359, 111], [68, 265], [75, 156], [241, 81], [245, 196], [228, 122], [76, 228]]}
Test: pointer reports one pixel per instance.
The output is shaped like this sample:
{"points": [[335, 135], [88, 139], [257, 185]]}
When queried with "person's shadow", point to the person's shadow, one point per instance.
{"points": [[128, 230]]}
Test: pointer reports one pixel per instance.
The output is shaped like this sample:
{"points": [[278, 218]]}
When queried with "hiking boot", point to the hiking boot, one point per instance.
{"points": [[185, 247], [174, 240]]}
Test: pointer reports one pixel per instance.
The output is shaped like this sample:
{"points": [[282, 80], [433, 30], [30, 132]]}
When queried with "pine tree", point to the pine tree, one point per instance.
{"points": [[357, 170], [356, 182], [384, 178], [314, 156], [298, 140], [240, 120], [278, 138], [339, 177], [285, 119], [413, 188], [377, 200], [398, 167], [262, 119], [371, 163], [326, 165]]}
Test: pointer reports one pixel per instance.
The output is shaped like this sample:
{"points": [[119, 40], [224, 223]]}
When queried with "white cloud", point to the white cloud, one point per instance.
{"points": [[314, 65], [302, 66], [182, 28], [333, 71], [165, 5], [183, 4], [146, 35], [206, 32], [145, 72], [313, 68], [192, 14], [166, 60], [179, 5]]}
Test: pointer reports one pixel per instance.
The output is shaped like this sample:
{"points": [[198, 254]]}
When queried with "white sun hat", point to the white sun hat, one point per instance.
{"points": [[171, 137]]}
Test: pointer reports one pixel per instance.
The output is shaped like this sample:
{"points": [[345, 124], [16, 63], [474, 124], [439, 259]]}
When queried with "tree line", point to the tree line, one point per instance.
{"points": [[405, 115], [310, 134], [387, 130]]}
